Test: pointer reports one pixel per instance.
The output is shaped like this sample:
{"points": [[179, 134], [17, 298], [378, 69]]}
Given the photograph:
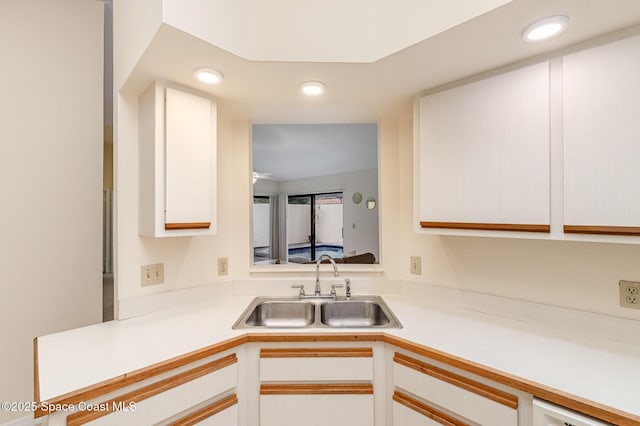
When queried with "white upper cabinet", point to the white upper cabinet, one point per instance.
{"points": [[601, 94], [177, 137], [189, 132], [484, 154]]}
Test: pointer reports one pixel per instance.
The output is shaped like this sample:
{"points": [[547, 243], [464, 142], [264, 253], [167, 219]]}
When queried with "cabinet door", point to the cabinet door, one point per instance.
{"points": [[177, 135], [484, 154], [459, 395], [189, 130], [316, 410], [601, 92]]}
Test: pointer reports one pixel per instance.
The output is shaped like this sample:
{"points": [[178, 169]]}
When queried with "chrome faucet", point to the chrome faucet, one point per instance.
{"points": [[335, 271]]}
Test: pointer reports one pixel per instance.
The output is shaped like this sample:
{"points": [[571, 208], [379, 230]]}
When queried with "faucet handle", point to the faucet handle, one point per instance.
{"points": [[301, 287], [333, 288], [347, 282]]}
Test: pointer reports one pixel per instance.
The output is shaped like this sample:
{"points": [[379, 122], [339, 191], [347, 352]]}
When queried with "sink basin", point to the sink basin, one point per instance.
{"points": [[357, 312], [351, 313], [284, 314]]}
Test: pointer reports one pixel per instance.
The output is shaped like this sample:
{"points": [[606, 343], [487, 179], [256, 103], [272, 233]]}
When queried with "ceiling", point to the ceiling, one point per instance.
{"points": [[298, 151], [268, 91]]}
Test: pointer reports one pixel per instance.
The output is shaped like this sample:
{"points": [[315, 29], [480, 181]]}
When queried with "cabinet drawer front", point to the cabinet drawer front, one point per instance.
{"points": [[411, 412], [221, 412], [162, 400], [316, 410], [228, 417], [469, 399], [405, 416], [316, 364]]}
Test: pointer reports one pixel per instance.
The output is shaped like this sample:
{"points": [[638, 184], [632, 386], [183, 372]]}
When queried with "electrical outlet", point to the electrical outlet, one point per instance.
{"points": [[416, 265], [152, 274], [223, 266], [629, 294]]}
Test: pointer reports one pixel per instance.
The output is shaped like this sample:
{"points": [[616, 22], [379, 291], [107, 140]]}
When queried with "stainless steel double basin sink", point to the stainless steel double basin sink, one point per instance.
{"points": [[357, 312]]}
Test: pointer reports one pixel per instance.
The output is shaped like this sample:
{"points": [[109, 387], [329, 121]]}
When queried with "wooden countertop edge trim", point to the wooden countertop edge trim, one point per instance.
{"points": [[633, 231], [316, 353], [316, 389], [36, 373], [582, 405], [514, 227], [186, 225], [137, 395], [208, 411], [481, 389], [547, 393], [427, 411]]}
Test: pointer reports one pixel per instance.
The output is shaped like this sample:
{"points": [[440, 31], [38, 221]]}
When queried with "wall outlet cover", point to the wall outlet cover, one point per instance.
{"points": [[629, 294]]}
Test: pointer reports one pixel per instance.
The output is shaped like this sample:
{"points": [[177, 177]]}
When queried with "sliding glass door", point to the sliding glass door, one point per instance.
{"points": [[314, 226]]}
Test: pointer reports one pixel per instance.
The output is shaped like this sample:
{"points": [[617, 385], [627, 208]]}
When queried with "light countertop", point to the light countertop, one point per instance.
{"points": [[607, 372]]}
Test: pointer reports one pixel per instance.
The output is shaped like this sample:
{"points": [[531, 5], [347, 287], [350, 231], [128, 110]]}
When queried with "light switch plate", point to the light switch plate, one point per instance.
{"points": [[223, 266], [152, 274]]}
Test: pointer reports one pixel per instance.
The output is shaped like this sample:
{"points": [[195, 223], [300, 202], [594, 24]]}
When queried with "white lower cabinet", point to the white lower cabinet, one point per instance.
{"points": [[316, 386], [446, 398], [409, 416], [316, 410], [317, 383]]}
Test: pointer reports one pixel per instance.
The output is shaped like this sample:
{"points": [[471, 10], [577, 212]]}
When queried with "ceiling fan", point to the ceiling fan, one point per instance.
{"points": [[265, 176]]}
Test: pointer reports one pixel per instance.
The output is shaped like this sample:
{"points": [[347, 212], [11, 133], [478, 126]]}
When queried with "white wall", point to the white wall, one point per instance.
{"points": [[361, 225], [50, 178]]}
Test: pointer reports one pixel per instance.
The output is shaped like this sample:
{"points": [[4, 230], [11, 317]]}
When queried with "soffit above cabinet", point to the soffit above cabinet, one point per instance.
{"points": [[319, 31], [268, 91]]}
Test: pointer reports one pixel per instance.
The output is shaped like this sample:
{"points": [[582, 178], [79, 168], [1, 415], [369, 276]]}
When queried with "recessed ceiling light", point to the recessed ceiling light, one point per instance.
{"points": [[313, 88], [208, 75], [545, 29]]}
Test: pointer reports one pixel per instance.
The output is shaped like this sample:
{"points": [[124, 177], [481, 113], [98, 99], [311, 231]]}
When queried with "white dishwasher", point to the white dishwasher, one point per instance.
{"points": [[547, 414]]}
